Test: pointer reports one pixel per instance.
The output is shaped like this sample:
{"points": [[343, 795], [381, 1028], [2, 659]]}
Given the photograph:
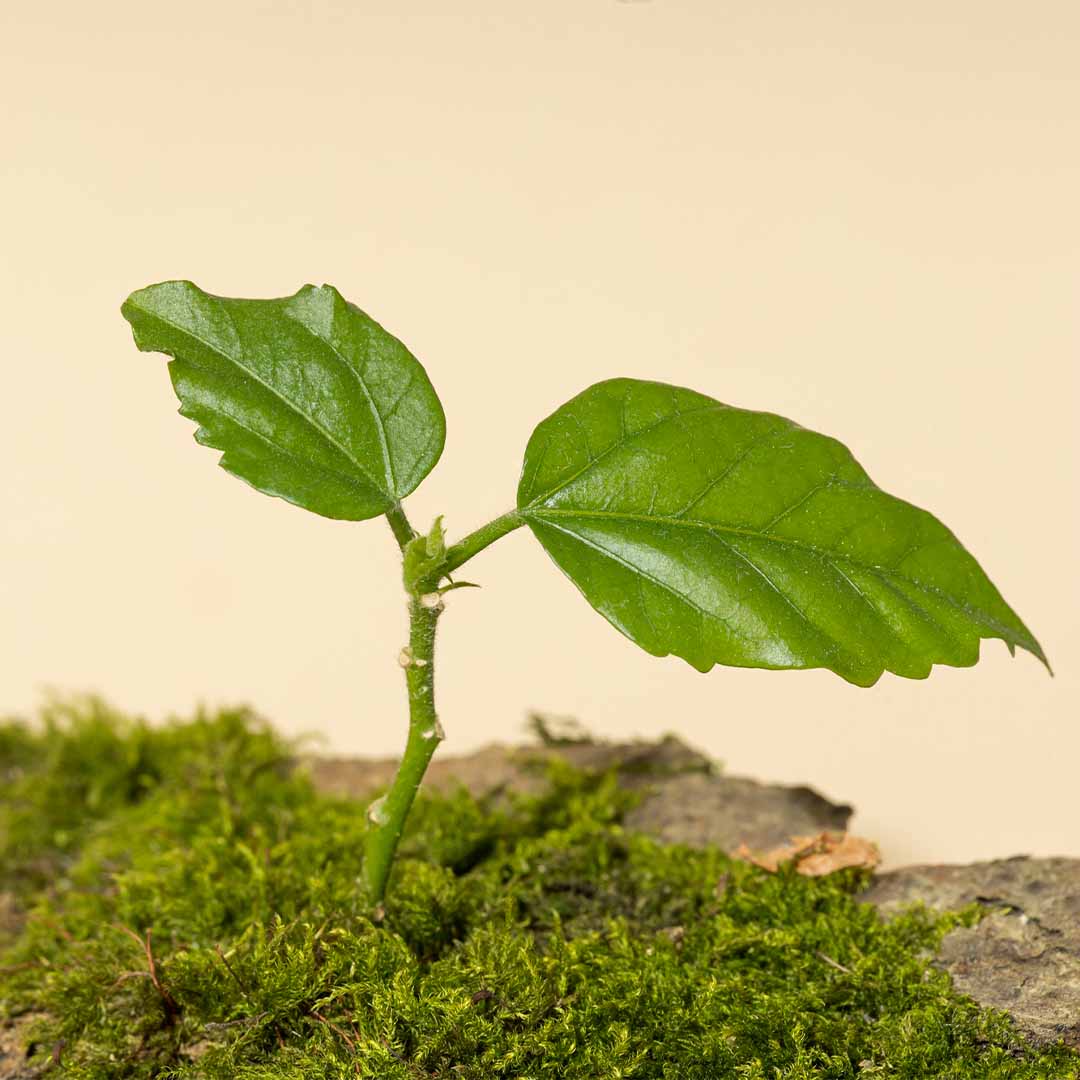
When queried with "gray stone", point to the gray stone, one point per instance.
{"points": [[686, 800], [1024, 956]]}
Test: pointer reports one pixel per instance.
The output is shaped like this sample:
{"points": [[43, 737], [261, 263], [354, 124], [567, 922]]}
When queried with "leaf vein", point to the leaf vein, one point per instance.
{"points": [[659, 582], [380, 427], [723, 475], [983, 618], [330, 440], [282, 449], [593, 462], [832, 645]]}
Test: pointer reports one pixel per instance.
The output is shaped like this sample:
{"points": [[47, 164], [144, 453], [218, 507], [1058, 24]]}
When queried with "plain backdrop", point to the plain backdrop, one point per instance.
{"points": [[864, 216]]}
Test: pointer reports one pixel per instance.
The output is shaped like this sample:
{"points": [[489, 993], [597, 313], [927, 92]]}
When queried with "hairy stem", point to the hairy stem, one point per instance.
{"points": [[461, 552], [386, 816]]}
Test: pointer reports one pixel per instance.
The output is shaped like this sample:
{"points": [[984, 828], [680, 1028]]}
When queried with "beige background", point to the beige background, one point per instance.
{"points": [[861, 215]]}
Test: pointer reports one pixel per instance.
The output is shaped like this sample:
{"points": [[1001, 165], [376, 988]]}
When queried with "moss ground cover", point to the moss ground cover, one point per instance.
{"points": [[192, 907]]}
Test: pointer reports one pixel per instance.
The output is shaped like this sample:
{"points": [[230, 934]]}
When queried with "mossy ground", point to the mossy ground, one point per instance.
{"points": [[193, 909]]}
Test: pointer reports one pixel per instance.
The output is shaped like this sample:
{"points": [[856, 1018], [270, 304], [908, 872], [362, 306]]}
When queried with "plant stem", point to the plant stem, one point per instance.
{"points": [[386, 816], [475, 542]]}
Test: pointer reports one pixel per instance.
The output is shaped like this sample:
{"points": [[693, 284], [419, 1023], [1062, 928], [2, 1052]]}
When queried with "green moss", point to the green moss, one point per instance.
{"points": [[535, 940]]}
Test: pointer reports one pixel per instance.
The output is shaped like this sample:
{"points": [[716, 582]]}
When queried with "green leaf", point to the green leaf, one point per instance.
{"points": [[308, 398], [733, 537]]}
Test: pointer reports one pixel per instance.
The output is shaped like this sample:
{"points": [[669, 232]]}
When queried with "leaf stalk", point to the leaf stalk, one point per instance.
{"points": [[460, 553], [399, 525]]}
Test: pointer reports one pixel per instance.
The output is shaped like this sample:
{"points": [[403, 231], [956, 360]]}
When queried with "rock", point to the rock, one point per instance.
{"points": [[687, 800], [1024, 956], [730, 811]]}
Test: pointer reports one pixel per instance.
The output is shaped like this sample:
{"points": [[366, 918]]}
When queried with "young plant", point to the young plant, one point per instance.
{"points": [[718, 534]]}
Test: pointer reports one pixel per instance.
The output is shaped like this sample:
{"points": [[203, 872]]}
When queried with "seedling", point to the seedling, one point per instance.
{"points": [[716, 534]]}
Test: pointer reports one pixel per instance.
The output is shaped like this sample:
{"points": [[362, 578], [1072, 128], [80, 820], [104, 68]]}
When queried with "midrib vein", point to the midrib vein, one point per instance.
{"points": [[884, 572], [272, 390], [376, 416]]}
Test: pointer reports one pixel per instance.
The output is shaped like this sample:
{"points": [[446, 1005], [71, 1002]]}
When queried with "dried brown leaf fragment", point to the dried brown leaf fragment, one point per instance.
{"points": [[815, 856]]}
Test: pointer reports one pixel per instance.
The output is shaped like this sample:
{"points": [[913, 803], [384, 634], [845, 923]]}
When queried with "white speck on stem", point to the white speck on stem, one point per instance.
{"points": [[405, 658], [433, 601], [435, 731], [376, 812]]}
